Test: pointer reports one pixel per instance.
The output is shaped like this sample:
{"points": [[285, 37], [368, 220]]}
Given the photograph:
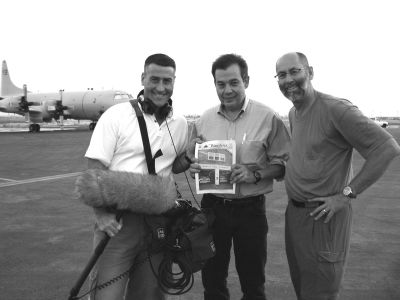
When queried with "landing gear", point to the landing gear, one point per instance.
{"points": [[34, 128], [92, 126]]}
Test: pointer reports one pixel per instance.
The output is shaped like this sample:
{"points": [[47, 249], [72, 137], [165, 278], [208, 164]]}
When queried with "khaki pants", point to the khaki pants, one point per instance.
{"points": [[316, 251], [123, 250]]}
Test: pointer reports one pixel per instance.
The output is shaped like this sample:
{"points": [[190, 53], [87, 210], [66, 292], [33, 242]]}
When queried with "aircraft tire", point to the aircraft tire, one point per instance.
{"points": [[34, 128]]}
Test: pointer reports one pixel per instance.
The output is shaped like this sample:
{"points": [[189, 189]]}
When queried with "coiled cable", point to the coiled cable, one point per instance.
{"points": [[175, 276]]}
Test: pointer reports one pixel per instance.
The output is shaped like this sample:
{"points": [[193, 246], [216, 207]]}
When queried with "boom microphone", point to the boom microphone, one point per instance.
{"points": [[139, 193]]}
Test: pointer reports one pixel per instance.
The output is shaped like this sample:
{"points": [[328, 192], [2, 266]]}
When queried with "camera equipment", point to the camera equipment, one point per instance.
{"points": [[181, 231], [140, 193], [187, 247]]}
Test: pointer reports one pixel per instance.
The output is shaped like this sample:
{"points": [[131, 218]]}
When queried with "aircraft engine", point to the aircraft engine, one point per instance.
{"points": [[23, 102], [55, 110], [59, 110]]}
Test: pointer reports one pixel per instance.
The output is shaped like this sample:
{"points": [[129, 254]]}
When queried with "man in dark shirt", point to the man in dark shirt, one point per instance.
{"points": [[319, 179]]}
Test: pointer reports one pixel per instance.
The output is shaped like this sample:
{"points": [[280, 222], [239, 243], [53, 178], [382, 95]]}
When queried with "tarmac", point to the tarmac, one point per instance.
{"points": [[46, 234]]}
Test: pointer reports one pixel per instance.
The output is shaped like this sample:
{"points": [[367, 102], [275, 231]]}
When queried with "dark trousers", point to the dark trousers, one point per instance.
{"points": [[246, 225]]}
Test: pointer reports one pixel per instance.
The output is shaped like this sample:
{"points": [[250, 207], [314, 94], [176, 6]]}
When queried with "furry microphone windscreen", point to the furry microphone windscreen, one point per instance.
{"points": [[140, 193]]}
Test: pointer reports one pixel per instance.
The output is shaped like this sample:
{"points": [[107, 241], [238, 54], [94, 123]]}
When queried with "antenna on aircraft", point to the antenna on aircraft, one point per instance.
{"points": [[62, 109]]}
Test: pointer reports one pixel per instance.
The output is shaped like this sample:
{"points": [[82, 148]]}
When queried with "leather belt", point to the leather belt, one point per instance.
{"points": [[306, 204], [238, 201]]}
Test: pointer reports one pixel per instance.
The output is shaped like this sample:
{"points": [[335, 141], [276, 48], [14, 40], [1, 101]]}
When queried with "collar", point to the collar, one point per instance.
{"points": [[242, 110]]}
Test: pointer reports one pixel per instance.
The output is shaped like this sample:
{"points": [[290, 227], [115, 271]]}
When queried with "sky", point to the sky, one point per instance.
{"points": [[353, 46]]}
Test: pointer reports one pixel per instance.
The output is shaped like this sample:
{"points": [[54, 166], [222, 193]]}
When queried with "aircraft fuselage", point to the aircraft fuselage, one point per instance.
{"points": [[87, 105]]}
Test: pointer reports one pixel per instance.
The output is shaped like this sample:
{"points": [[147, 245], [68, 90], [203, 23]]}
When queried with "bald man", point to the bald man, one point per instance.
{"points": [[319, 179]]}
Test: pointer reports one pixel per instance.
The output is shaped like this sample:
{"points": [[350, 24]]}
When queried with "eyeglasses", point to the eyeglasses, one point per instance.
{"points": [[292, 72]]}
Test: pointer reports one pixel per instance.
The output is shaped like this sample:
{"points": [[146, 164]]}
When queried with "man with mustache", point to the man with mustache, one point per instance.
{"points": [[262, 141], [319, 178], [116, 145]]}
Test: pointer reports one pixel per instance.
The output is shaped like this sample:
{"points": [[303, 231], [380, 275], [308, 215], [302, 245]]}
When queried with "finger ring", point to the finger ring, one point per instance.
{"points": [[324, 211]]}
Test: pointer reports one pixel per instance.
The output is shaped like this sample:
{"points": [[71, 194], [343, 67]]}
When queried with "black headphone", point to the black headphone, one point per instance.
{"points": [[148, 107]]}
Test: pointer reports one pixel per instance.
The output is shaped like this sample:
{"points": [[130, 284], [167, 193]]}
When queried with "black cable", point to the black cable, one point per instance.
{"points": [[120, 276], [170, 282], [176, 152], [111, 281]]}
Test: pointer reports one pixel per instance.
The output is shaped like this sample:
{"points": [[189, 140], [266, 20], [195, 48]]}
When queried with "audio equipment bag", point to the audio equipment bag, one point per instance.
{"points": [[188, 240]]}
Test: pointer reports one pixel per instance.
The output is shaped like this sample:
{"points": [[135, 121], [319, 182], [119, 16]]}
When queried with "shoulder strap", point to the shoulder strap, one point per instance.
{"points": [[145, 138]]}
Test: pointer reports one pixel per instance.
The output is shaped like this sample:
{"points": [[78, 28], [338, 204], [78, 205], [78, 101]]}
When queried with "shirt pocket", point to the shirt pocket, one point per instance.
{"points": [[313, 166], [252, 153]]}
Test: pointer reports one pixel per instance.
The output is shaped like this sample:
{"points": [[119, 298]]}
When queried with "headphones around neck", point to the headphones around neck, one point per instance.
{"points": [[148, 107]]}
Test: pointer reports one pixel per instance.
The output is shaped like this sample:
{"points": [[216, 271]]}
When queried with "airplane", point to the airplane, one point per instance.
{"points": [[43, 107], [382, 123]]}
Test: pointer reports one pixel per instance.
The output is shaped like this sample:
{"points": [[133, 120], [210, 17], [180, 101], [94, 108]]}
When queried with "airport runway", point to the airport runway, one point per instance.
{"points": [[23, 127], [46, 234]]}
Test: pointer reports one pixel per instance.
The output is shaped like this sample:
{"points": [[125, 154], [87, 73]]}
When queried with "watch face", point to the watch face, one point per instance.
{"points": [[257, 176], [347, 191]]}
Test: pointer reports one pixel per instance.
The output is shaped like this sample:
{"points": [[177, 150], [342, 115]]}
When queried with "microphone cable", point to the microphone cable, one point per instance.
{"points": [[177, 155], [174, 276]]}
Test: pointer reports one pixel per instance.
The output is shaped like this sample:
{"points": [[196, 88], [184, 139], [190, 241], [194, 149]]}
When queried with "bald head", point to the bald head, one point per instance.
{"points": [[294, 78], [297, 57]]}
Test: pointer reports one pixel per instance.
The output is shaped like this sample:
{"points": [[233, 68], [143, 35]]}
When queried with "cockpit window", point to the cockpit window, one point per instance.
{"points": [[122, 96]]}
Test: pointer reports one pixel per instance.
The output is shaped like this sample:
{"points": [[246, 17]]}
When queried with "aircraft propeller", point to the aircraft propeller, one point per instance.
{"points": [[24, 103], [58, 113], [59, 110]]}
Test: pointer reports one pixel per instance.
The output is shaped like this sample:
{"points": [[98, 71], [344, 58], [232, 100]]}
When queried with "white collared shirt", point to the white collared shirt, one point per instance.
{"points": [[117, 143]]}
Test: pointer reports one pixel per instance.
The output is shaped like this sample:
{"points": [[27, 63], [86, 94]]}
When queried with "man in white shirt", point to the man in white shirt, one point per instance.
{"points": [[116, 145]]}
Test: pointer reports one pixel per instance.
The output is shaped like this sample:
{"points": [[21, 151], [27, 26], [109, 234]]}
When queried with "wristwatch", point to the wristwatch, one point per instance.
{"points": [[257, 175], [348, 192]]}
